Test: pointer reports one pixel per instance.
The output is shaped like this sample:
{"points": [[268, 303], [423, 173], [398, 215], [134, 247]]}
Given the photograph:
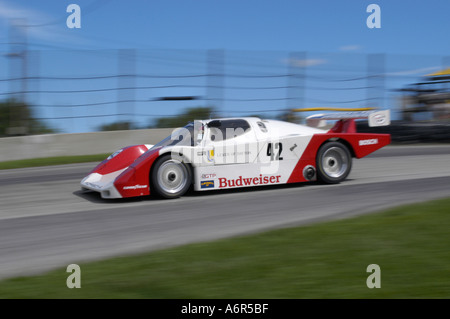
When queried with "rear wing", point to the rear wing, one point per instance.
{"points": [[346, 123]]}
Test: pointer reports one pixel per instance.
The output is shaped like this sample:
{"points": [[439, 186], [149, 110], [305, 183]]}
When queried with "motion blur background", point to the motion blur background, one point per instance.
{"points": [[163, 63], [138, 68]]}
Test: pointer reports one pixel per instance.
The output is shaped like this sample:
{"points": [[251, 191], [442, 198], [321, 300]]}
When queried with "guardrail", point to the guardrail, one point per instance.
{"points": [[49, 145]]}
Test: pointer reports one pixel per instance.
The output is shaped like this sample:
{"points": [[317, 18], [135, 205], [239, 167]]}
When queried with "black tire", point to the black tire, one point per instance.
{"points": [[333, 162], [170, 177]]}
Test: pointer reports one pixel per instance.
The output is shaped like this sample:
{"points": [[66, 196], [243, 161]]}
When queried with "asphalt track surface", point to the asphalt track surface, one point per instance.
{"points": [[47, 222]]}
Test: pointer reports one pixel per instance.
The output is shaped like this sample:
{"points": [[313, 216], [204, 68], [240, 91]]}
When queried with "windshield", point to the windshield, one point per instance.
{"points": [[190, 135]]}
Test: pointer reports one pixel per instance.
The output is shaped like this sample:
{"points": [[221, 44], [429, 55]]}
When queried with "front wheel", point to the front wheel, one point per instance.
{"points": [[170, 177], [333, 162]]}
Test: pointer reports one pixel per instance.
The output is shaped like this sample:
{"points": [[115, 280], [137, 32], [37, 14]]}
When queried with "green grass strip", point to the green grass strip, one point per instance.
{"points": [[58, 160], [328, 260]]}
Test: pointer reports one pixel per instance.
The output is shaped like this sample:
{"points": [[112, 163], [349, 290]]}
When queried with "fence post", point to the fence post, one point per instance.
{"points": [[375, 80], [295, 92], [126, 79], [216, 78]]}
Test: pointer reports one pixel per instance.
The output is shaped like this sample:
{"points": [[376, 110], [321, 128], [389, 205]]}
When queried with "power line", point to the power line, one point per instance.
{"points": [[338, 89], [180, 86], [231, 75], [205, 99], [146, 87], [77, 117], [90, 104], [62, 78], [340, 102], [101, 115]]}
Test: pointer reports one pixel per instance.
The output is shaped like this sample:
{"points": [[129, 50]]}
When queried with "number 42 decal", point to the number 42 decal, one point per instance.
{"points": [[274, 151]]}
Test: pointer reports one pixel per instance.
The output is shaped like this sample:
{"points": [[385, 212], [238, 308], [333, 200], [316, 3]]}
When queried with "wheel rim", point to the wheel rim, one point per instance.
{"points": [[335, 162], [172, 176]]}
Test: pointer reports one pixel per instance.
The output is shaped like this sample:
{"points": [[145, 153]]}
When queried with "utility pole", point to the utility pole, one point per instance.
{"points": [[375, 80], [295, 92], [126, 82], [215, 81], [18, 70]]}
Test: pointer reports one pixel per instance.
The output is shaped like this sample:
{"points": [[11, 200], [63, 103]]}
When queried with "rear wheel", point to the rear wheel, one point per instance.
{"points": [[170, 177], [333, 162]]}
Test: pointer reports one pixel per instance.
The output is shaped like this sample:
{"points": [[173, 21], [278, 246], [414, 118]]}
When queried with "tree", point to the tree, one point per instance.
{"points": [[16, 118], [189, 115], [117, 126], [290, 116]]}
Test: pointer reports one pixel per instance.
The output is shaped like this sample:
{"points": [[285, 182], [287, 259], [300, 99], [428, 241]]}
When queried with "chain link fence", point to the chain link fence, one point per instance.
{"points": [[85, 90]]}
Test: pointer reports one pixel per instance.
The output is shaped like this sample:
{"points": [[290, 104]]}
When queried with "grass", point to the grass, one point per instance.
{"points": [[58, 160], [328, 260]]}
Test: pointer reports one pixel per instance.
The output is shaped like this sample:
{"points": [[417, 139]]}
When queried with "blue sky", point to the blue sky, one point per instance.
{"points": [[408, 26], [413, 35]]}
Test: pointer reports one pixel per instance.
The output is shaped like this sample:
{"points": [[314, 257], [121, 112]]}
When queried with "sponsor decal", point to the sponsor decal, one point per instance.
{"points": [[233, 154], [380, 119], [210, 156], [208, 176], [372, 141], [248, 181], [135, 187], [207, 184], [293, 147]]}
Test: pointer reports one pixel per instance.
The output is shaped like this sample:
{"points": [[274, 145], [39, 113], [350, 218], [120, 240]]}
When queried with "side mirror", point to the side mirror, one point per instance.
{"points": [[214, 123]]}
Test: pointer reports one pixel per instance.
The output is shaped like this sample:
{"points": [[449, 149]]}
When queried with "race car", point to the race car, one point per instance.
{"points": [[228, 153]]}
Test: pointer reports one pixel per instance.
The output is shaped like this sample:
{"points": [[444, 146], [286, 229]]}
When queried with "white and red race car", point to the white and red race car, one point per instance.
{"points": [[238, 152]]}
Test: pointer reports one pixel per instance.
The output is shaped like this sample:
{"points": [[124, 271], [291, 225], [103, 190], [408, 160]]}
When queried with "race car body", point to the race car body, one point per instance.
{"points": [[238, 152]]}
